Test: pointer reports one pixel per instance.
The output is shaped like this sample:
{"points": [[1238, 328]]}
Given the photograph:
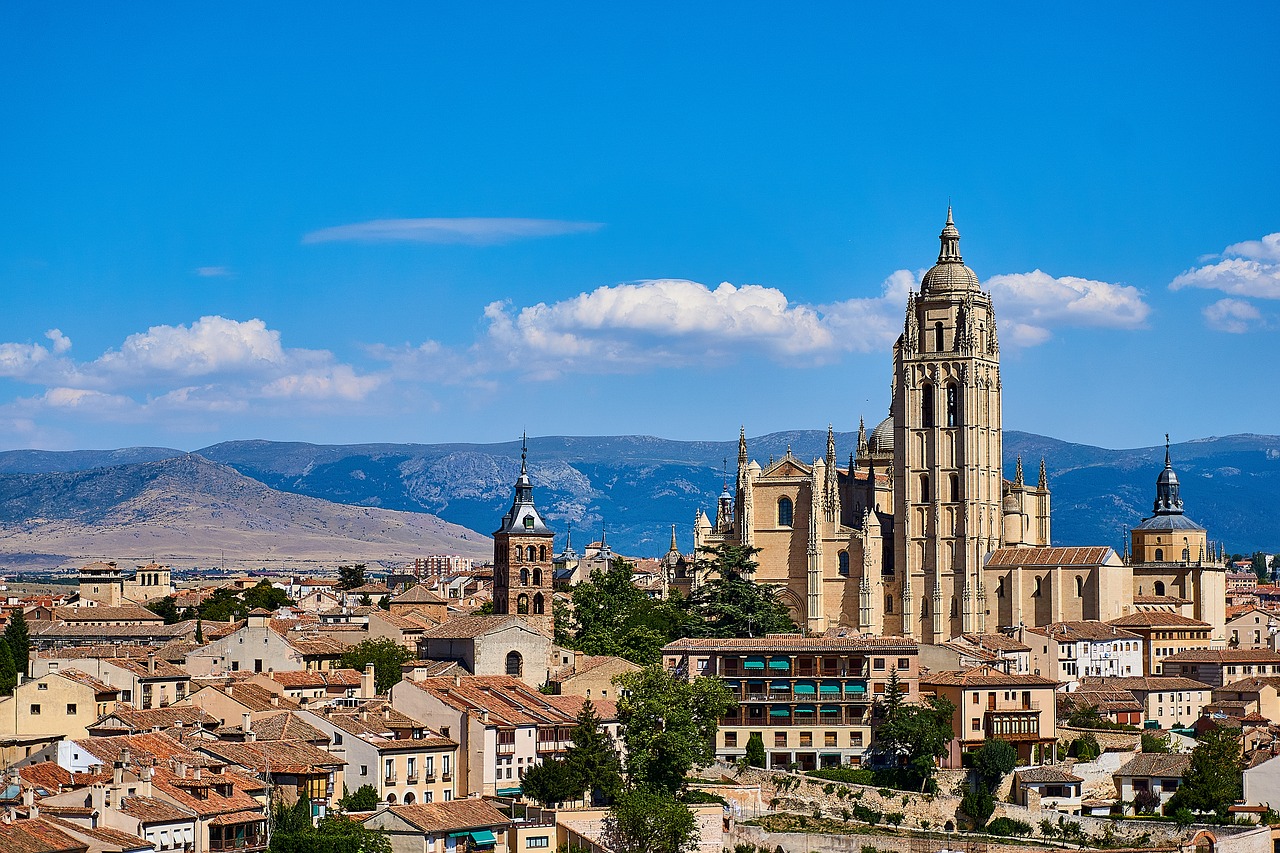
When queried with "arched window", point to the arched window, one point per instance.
{"points": [[924, 488], [542, 552], [538, 606], [515, 664], [522, 605], [843, 557], [409, 798], [537, 577], [1186, 555], [937, 337], [1036, 594], [926, 405], [391, 798], [786, 512], [955, 487], [1079, 587], [1159, 586], [519, 553], [532, 554], [524, 576], [953, 406], [888, 604], [1159, 554]]}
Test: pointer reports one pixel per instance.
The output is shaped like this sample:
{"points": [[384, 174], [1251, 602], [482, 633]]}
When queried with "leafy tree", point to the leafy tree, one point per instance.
{"points": [[365, 799], [1213, 780], [292, 832], [350, 577], [892, 695], [18, 636], [730, 603], [593, 759], [993, 760], [384, 603], [8, 669], [669, 726], [1087, 717], [266, 596], [1260, 561], [385, 654], [167, 609], [978, 804], [199, 630], [365, 600], [1146, 802], [648, 821], [1085, 747], [755, 750], [612, 616], [552, 781], [919, 733], [222, 605], [1155, 743]]}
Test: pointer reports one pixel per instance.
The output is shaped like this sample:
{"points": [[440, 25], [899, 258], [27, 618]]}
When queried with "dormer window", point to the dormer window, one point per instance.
{"points": [[528, 522]]}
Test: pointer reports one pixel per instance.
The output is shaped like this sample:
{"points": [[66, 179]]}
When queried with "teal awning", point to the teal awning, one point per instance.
{"points": [[780, 663], [805, 687], [755, 682], [829, 687], [733, 684], [855, 688], [483, 838], [828, 755], [830, 709], [508, 792], [804, 709], [753, 663], [779, 685], [780, 712]]}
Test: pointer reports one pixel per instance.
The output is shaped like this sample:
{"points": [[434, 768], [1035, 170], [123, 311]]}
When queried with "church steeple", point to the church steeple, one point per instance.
{"points": [[1168, 497], [950, 238]]}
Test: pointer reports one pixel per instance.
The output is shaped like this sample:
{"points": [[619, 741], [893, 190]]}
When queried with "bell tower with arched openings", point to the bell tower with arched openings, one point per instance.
{"points": [[523, 573]]}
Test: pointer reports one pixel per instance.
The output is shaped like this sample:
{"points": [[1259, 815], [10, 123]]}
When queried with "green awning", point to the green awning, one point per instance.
{"points": [[804, 709], [855, 688], [483, 838], [753, 663], [830, 709], [780, 712], [805, 687], [828, 755], [780, 663], [829, 687], [508, 792], [780, 685]]}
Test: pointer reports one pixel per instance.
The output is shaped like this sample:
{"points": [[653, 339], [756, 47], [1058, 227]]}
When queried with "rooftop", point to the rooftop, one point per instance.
{"points": [[1076, 556]]}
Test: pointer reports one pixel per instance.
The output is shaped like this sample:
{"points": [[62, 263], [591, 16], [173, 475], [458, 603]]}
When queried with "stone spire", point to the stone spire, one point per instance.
{"points": [[1044, 479], [1017, 473], [862, 438], [831, 447], [674, 547], [742, 447], [950, 238]]}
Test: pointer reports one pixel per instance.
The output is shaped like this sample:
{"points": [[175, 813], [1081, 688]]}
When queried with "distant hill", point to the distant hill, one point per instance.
{"points": [[638, 486], [186, 509]]}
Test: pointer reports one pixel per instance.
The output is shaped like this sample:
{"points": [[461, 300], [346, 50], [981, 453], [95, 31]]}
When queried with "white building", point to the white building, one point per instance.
{"points": [[1069, 651]]}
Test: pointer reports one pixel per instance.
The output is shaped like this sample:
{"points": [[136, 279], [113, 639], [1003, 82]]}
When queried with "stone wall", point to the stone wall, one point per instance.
{"points": [[1109, 739]]}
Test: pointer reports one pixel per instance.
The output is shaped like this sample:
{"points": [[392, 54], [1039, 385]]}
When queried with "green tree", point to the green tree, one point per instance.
{"points": [[730, 603], [669, 725], [365, 799], [920, 735], [18, 636], [612, 616], [485, 609], [1260, 562], [552, 781], [266, 596], [993, 760], [1085, 747], [385, 654], [8, 669], [222, 605], [1213, 780], [647, 821], [1087, 717], [167, 609], [1155, 743], [350, 577], [978, 804], [755, 750], [384, 603], [199, 630], [593, 759]]}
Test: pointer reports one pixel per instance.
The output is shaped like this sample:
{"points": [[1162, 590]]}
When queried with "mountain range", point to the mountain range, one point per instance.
{"points": [[631, 487]]}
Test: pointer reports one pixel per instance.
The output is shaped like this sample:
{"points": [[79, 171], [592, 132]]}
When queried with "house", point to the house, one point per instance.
{"points": [[1262, 782], [810, 698], [1166, 700], [590, 676], [230, 701], [1048, 787], [283, 725], [1067, 651], [1153, 773], [304, 686], [126, 720], [57, 634], [59, 704], [405, 760], [422, 601], [258, 647], [452, 827], [1259, 694], [407, 629], [38, 836], [295, 768], [1218, 667], [502, 726], [1117, 706], [1164, 634], [491, 645], [144, 682], [1013, 653], [1252, 628], [1020, 709]]}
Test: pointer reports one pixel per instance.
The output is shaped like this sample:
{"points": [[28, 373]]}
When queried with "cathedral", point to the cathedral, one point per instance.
{"points": [[920, 534]]}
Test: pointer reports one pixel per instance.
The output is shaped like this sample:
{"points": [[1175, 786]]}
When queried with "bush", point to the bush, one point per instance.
{"points": [[847, 775], [895, 818], [697, 795], [867, 815], [755, 751], [1008, 826], [1085, 748], [1155, 743], [978, 805], [885, 792]]}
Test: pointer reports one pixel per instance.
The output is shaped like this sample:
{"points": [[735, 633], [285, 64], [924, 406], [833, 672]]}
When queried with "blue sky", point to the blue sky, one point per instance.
{"points": [[417, 223]]}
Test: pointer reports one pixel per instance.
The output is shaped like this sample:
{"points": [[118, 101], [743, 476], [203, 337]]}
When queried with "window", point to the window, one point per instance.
{"points": [[257, 664], [888, 604], [515, 664], [542, 553], [730, 739], [538, 841], [522, 604], [955, 488], [844, 563], [1036, 593], [937, 337], [391, 770], [42, 686], [1159, 584], [524, 577], [926, 405], [904, 663], [779, 738], [953, 406], [878, 665], [537, 577], [924, 488], [337, 739], [538, 605], [1159, 557], [35, 710], [785, 512], [71, 709], [1079, 587], [976, 725], [364, 769]]}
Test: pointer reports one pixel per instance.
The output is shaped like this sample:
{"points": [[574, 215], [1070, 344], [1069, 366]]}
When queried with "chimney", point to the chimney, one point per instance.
{"points": [[126, 755], [231, 688], [199, 771], [457, 680], [98, 798], [151, 663], [246, 725], [117, 773], [484, 716], [275, 701], [386, 713], [368, 685]]}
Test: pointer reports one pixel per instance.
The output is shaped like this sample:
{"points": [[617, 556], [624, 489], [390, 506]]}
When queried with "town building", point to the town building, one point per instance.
{"points": [[1218, 667], [491, 645], [1158, 774], [523, 546], [1167, 701], [1067, 651], [1164, 634], [55, 705], [448, 827], [258, 647], [143, 682], [1020, 709], [1049, 788], [1252, 627], [590, 676], [810, 699]]}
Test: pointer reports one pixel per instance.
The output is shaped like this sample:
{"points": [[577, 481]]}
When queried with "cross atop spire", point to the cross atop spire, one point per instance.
{"points": [[1167, 462]]}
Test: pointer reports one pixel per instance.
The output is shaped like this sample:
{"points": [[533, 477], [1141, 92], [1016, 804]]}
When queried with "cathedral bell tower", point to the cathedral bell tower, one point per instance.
{"points": [[947, 444], [523, 572]]}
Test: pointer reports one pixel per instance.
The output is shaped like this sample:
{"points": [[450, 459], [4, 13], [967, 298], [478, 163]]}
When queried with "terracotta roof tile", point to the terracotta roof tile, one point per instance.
{"points": [[984, 676], [509, 701], [37, 836], [1155, 764], [794, 643], [154, 810], [1077, 556], [1224, 656], [1088, 630], [470, 627], [1145, 683], [1157, 619], [453, 816]]}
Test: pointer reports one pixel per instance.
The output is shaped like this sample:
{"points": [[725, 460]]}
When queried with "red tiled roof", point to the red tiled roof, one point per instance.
{"points": [[452, 816], [985, 676], [1094, 555], [1157, 619], [37, 836], [794, 643], [1087, 630], [1223, 656], [509, 701]]}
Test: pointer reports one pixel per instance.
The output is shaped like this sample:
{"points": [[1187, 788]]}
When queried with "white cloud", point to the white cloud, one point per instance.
{"points": [[338, 382], [1250, 268], [209, 345], [1232, 315], [213, 272], [466, 230], [61, 343], [1029, 305], [85, 399]]}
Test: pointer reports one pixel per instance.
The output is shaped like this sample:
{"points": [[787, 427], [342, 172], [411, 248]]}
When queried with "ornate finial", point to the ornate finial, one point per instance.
{"points": [[673, 538], [742, 447], [788, 448], [1044, 480], [1167, 462], [1017, 472], [725, 474], [524, 449], [950, 238], [949, 220], [568, 538], [831, 446]]}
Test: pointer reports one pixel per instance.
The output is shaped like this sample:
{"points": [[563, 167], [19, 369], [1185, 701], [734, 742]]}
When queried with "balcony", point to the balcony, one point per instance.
{"points": [[507, 748], [243, 844], [446, 777], [390, 780], [411, 779], [429, 776]]}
